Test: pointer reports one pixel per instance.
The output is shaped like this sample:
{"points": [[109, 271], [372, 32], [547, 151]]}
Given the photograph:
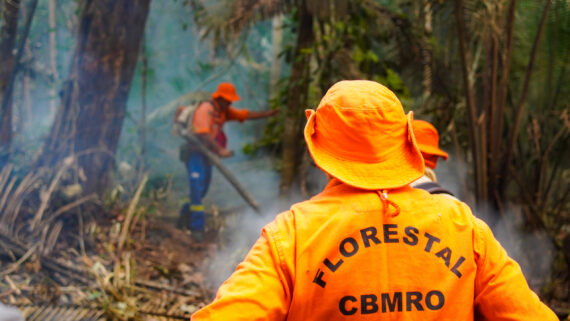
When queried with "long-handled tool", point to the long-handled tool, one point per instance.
{"points": [[214, 159]]}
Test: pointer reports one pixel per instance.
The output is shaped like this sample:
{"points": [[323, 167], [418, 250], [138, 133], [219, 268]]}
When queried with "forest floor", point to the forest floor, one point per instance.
{"points": [[161, 273], [69, 256]]}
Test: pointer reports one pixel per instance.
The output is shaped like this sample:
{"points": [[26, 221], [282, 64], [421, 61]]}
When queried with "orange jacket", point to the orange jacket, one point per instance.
{"points": [[207, 119], [337, 257]]}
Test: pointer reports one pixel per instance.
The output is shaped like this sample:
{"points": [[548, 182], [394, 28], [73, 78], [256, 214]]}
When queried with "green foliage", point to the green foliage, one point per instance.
{"points": [[393, 81], [345, 48], [271, 138], [360, 56]]}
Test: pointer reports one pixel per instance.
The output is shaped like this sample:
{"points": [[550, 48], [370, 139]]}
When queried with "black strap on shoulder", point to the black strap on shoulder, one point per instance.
{"points": [[433, 188]]}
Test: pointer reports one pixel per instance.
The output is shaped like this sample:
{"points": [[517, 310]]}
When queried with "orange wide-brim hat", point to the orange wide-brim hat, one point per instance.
{"points": [[361, 135], [427, 138], [227, 91]]}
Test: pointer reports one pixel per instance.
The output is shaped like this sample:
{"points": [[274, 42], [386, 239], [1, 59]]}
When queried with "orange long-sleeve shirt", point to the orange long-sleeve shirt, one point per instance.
{"points": [[338, 257], [207, 119]]}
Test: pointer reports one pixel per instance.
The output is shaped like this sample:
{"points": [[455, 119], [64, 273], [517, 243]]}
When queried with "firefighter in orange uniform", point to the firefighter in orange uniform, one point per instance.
{"points": [[427, 139], [370, 247], [207, 123]]}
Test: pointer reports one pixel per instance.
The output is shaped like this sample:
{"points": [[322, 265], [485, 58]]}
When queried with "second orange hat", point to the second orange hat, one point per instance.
{"points": [[428, 141]]}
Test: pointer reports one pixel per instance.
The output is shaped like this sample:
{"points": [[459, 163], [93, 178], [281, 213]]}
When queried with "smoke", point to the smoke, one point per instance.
{"points": [[242, 226], [237, 235], [452, 174], [533, 250], [8, 313]]}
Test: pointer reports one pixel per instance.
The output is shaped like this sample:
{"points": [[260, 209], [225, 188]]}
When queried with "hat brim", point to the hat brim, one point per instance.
{"points": [[398, 170], [230, 98], [427, 149]]}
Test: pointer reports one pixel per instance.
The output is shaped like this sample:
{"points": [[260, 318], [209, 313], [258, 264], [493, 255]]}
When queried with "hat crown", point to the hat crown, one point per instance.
{"points": [[226, 91], [428, 140], [425, 133], [360, 120], [360, 135]]}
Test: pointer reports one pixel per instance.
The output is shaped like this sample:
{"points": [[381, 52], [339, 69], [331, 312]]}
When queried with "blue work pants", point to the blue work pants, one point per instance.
{"points": [[199, 177]]}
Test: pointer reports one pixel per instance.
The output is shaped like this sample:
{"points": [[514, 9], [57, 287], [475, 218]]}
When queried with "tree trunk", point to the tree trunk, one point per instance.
{"points": [[496, 145], [142, 121], [26, 104], [52, 55], [472, 119], [10, 10], [277, 46], [91, 113], [297, 99], [520, 106], [426, 49]]}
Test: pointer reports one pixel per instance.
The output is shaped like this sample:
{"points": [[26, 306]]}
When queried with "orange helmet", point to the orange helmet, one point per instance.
{"points": [[428, 142], [226, 91], [361, 135]]}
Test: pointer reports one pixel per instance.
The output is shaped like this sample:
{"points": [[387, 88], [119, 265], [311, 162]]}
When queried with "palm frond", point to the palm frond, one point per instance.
{"points": [[226, 19]]}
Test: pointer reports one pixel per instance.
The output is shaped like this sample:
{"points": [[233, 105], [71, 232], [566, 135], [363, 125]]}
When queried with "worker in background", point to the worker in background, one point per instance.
{"points": [[207, 124], [428, 143], [370, 247]]}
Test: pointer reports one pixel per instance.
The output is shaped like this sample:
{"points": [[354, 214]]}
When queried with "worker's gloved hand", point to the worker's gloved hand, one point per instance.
{"points": [[226, 153]]}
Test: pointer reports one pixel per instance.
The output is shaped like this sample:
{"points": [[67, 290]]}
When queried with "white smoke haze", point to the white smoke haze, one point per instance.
{"points": [[241, 229], [8, 313], [533, 251], [452, 175], [239, 233]]}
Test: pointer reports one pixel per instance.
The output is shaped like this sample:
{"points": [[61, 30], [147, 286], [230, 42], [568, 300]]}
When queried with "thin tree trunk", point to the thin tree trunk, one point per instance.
{"points": [[474, 135], [426, 50], [26, 106], [496, 144], [297, 99], [8, 92], [91, 114], [276, 63], [52, 55], [520, 106], [142, 122], [492, 159], [10, 11]]}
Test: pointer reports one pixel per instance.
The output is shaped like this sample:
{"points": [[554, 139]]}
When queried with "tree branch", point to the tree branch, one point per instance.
{"points": [[529, 69], [470, 101]]}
